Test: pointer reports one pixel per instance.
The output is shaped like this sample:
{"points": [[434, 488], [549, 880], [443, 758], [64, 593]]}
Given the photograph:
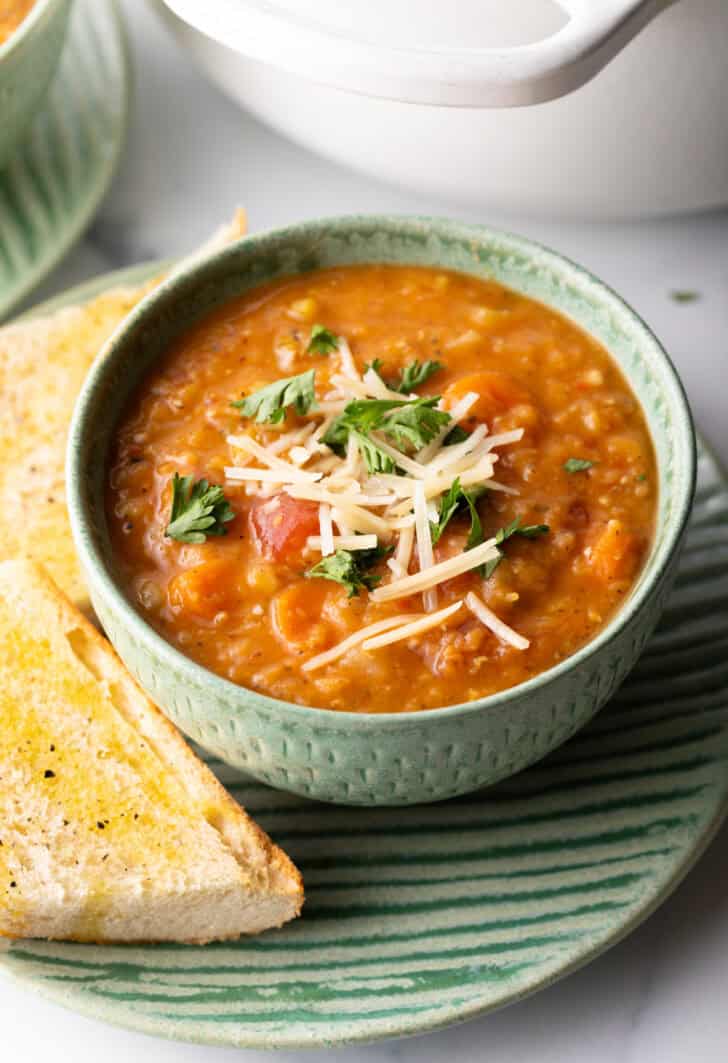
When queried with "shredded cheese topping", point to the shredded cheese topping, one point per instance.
{"points": [[359, 510], [355, 640], [424, 543], [416, 627], [487, 617]]}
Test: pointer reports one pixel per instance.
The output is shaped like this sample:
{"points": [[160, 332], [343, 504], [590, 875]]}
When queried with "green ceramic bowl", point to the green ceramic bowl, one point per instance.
{"points": [[28, 60], [389, 759]]}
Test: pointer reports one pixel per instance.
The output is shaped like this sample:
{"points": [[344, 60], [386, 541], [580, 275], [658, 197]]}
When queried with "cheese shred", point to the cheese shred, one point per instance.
{"points": [[355, 640], [499, 628], [359, 511], [444, 570], [415, 627]]}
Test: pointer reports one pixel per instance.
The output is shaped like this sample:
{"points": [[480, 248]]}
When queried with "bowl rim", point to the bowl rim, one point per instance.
{"points": [[106, 586], [26, 26]]}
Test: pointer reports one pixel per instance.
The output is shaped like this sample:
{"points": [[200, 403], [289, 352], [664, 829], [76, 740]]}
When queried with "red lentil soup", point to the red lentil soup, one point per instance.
{"points": [[537, 462], [12, 13]]}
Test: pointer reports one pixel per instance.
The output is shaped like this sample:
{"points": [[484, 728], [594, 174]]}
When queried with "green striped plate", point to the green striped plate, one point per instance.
{"points": [[421, 917], [52, 186]]}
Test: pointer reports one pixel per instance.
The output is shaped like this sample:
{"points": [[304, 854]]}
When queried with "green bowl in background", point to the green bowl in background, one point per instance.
{"points": [[28, 60], [388, 759]]}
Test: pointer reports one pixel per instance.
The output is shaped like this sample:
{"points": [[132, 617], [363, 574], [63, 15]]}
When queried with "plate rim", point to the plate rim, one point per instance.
{"points": [[124, 1017], [41, 267]]}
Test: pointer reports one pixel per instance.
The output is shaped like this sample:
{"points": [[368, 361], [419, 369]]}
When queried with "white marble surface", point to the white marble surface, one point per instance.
{"points": [[660, 996]]}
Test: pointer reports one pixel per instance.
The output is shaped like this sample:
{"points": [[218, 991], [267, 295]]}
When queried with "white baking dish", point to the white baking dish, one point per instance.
{"points": [[602, 107]]}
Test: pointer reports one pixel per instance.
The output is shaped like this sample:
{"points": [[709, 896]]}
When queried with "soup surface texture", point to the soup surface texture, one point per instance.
{"points": [[12, 13], [436, 458]]}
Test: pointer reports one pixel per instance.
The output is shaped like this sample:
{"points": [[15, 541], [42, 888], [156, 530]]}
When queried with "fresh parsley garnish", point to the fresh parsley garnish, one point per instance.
{"points": [[270, 403], [357, 420], [407, 424], [416, 373], [375, 459], [455, 435], [684, 295], [578, 464], [457, 499], [410, 377], [198, 510], [415, 423], [322, 341], [527, 531], [350, 568]]}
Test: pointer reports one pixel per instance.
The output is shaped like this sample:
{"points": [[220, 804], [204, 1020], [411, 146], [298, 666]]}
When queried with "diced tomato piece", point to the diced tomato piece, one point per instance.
{"points": [[498, 392], [281, 532], [206, 590]]}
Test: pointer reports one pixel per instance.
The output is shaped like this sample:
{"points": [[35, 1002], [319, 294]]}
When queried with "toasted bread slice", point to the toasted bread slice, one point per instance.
{"points": [[43, 362], [111, 829]]}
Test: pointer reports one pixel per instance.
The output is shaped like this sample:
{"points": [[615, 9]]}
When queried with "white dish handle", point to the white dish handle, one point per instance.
{"points": [[596, 31]]}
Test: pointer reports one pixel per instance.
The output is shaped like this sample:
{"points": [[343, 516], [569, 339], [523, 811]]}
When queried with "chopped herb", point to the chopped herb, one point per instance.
{"points": [[350, 568], [198, 510], [642, 477], [454, 499], [578, 464], [528, 531], [415, 423], [455, 435], [416, 373], [412, 424], [322, 341], [270, 403], [410, 377], [376, 367], [375, 458], [449, 504], [684, 295], [361, 415], [475, 535]]}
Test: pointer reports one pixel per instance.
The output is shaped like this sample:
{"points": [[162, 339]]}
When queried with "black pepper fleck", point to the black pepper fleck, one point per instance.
{"points": [[48, 774]]}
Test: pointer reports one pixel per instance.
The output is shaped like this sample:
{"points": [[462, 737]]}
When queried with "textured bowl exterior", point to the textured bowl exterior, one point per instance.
{"points": [[390, 759], [28, 60]]}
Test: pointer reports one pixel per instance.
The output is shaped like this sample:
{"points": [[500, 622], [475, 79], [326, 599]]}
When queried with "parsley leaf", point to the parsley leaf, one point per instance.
{"points": [[578, 464], [198, 510], [270, 403], [528, 531], [376, 367], [417, 373], [412, 424], [415, 423], [455, 435], [475, 536], [375, 459], [454, 499], [350, 568], [449, 505], [684, 295], [322, 341], [357, 420], [410, 377]]}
